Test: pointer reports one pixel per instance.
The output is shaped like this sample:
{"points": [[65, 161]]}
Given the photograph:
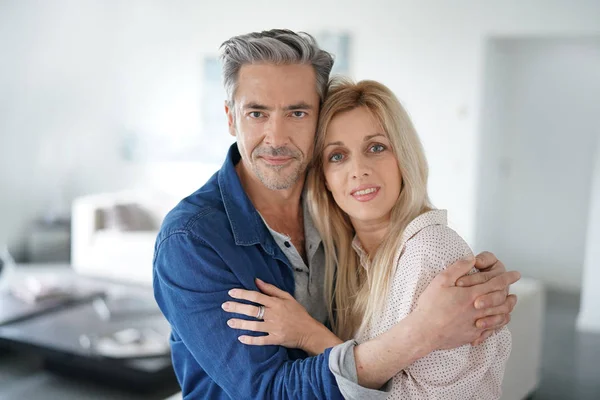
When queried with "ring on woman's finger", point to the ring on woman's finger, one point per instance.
{"points": [[261, 312]]}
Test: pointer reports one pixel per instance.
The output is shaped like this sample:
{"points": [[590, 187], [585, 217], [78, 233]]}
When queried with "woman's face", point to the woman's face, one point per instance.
{"points": [[361, 170]]}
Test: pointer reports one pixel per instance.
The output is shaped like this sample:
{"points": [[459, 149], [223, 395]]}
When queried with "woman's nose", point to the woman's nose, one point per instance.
{"points": [[360, 168]]}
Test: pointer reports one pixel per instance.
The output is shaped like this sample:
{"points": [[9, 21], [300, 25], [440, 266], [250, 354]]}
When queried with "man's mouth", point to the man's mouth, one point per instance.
{"points": [[276, 160]]}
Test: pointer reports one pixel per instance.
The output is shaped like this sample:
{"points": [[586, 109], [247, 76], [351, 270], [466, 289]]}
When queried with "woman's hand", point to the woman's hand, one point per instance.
{"points": [[285, 321]]}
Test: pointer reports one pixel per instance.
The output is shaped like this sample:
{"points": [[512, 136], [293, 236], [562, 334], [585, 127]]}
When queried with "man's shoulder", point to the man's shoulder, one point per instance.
{"points": [[197, 214]]}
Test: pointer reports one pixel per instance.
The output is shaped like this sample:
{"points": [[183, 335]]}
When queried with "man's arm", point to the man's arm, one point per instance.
{"points": [[445, 318], [494, 303], [191, 281]]}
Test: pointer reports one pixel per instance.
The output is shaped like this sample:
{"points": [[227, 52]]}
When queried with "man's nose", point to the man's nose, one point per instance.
{"points": [[276, 134]]}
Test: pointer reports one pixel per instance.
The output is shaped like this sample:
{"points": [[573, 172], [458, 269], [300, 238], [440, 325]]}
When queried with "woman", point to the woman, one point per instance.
{"points": [[384, 244]]}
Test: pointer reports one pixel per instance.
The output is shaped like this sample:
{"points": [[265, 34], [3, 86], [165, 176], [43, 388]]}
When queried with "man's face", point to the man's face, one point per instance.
{"points": [[274, 119]]}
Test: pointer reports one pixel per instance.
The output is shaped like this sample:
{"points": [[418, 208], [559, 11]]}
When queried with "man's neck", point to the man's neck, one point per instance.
{"points": [[283, 203], [281, 209]]}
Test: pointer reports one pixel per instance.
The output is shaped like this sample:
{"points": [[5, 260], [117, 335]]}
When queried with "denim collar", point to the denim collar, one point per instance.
{"points": [[246, 223]]}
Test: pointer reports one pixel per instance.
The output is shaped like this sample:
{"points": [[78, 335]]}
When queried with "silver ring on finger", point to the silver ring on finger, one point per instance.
{"points": [[261, 312]]}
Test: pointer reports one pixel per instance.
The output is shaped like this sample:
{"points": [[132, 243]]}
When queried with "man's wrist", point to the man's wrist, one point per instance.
{"points": [[428, 338], [318, 339]]}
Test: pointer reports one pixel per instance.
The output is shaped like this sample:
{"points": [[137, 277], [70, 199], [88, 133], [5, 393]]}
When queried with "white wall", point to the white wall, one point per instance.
{"points": [[589, 315], [535, 185], [74, 74]]}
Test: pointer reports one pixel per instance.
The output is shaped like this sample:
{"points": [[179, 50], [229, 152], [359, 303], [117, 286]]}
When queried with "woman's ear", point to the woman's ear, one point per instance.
{"points": [[327, 186]]}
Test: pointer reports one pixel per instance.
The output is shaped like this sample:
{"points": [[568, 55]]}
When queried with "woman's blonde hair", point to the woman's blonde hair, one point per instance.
{"points": [[355, 295]]}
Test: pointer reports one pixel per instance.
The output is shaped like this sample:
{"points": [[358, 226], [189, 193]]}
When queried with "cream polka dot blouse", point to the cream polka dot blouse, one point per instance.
{"points": [[467, 372]]}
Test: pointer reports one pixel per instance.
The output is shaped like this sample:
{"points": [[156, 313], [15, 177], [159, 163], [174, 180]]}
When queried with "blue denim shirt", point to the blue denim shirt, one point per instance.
{"points": [[212, 241]]}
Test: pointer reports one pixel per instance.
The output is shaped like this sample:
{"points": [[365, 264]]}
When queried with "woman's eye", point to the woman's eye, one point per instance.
{"points": [[336, 157], [377, 148], [255, 114]]}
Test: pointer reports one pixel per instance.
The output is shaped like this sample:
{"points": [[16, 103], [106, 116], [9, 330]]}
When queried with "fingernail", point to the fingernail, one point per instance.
{"points": [[230, 323], [481, 324], [241, 339], [460, 283], [259, 280], [479, 304], [232, 292], [225, 306]]}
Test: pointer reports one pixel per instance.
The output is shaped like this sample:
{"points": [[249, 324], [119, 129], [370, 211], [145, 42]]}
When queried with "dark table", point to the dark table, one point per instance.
{"points": [[41, 357]]}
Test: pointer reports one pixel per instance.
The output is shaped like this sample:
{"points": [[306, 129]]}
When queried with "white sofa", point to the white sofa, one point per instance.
{"points": [[522, 374], [112, 252]]}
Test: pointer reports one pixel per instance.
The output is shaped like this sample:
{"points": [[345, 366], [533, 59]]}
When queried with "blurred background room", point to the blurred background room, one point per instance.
{"points": [[111, 111]]}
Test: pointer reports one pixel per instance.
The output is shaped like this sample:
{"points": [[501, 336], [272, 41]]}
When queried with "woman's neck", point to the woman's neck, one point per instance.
{"points": [[371, 233]]}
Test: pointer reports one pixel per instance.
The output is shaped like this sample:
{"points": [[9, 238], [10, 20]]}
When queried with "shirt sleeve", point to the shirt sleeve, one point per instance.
{"points": [[191, 281], [465, 372], [343, 366]]}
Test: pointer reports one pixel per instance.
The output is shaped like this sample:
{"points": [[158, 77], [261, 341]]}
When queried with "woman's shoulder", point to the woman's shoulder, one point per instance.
{"points": [[429, 237]]}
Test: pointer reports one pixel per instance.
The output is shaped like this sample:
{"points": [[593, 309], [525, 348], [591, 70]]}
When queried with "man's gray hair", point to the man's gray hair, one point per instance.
{"points": [[279, 47]]}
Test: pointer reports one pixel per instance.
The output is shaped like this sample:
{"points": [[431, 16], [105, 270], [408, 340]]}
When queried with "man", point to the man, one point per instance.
{"points": [[248, 221]]}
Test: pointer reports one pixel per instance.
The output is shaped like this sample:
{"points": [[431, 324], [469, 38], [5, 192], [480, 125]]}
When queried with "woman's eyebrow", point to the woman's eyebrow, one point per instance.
{"points": [[369, 137], [338, 143]]}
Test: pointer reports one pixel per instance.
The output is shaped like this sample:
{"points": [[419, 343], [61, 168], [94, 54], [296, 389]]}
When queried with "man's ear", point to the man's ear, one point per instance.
{"points": [[230, 111]]}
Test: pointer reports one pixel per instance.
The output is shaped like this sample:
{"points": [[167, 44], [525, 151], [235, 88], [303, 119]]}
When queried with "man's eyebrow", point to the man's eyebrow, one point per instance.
{"points": [[296, 106], [255, 106], [299, 106]]}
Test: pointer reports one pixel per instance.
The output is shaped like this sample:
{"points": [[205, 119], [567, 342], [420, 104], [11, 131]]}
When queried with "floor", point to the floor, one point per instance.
{"points": [[570, 366], [23, 377], [570, 360]]}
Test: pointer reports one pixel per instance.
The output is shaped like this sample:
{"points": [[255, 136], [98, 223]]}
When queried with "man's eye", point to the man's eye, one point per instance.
{"points": [[377, 148], [299, 114], [255, 114], [336, 157]]}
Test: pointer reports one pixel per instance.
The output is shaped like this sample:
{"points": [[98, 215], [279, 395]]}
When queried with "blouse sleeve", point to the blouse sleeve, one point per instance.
{"points": [[466, 372]]}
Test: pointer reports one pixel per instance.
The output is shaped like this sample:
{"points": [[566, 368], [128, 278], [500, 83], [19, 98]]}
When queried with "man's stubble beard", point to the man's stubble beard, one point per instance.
{"points": [[276, 183], [272, 180]]}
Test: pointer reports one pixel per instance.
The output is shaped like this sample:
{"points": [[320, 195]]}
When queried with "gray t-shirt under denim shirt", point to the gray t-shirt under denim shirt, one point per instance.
{"points": [[310, 292]]}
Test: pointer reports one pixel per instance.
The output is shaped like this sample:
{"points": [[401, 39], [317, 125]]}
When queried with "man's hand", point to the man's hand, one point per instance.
{"points": [[497, 303], [450, 310]]}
